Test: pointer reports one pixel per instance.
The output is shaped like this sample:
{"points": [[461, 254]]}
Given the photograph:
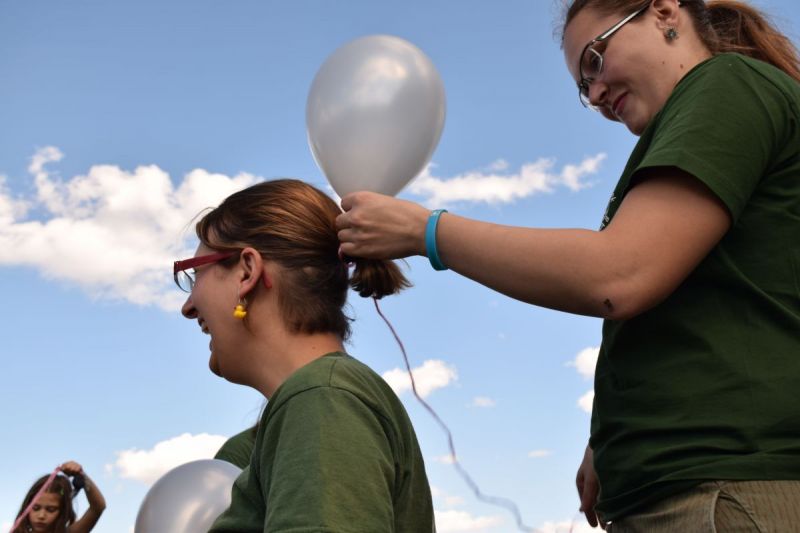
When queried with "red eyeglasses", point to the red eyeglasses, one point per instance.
{"points": [[185, 280]]}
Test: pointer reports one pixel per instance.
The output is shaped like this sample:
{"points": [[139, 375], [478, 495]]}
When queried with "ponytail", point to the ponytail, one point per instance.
{"points": [[734, 26], [375, 279]]}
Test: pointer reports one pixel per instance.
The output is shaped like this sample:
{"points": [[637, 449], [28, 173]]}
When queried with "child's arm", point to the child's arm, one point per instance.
{"points": [[97, 503]]}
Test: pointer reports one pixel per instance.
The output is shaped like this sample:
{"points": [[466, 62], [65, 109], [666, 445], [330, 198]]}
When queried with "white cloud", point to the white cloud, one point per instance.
{"points": [[445, 459], [148, 466], [460, 521], [10, 208], [433, 374], [483, 401], [453, 501], [577, 525], [586, 361], [494, 188], [113, 232], [449, 501], [585, 402], [538, 454], [47, 190], [498, 165]]}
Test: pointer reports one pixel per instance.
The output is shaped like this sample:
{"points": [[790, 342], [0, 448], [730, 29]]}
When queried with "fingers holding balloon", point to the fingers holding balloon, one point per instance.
{"points": [[350, 200], [382, 227], [374, 115], [348, 247]]}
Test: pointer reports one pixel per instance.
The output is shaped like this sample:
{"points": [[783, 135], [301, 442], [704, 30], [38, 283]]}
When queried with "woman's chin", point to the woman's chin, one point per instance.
{"points": [[213, 365]]}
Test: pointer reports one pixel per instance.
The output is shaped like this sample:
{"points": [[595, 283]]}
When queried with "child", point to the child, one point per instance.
{"points": [[52, 512]]}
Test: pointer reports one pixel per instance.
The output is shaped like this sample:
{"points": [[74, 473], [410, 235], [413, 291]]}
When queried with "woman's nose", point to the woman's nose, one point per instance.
{"points": [[188, 309], [598, 92]]}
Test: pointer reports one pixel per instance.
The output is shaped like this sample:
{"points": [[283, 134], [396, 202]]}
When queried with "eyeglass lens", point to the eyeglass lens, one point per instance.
{"points": [[591, 67], [184, 280]]}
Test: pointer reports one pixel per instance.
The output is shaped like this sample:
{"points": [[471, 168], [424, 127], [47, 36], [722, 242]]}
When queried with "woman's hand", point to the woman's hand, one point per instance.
{"points": [[375, 226], [588, 488]]}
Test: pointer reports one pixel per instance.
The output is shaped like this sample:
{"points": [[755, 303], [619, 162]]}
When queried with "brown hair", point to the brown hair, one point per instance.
{"points": [[294, 224], [60, 486], [722, 25]]}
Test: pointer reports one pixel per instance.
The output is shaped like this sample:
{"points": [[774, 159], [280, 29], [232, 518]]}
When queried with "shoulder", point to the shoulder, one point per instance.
{"points": [[337, 379], [734, 80], [237, 449], [726, 103], [332, 371]]}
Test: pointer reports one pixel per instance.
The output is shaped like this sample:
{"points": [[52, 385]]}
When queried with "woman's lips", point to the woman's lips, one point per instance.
{"points": [[619, 105]]}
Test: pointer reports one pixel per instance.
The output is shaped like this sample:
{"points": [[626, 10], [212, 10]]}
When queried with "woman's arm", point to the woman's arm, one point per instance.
{"points": [[664, 227], [97, 503]]}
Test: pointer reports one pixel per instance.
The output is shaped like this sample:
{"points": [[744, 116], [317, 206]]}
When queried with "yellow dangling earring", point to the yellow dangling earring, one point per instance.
{"points": [[239, 311]]}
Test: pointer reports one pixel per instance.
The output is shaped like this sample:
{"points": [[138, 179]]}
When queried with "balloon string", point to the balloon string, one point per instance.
{"points": [[35, 499], [492, 500]]}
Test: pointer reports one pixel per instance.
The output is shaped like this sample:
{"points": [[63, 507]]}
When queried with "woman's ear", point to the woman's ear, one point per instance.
{"points": [[667, 12], [252, 270]]}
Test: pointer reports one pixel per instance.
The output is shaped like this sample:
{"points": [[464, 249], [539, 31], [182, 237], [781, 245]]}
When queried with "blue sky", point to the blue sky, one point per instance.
{"points": [[121, 120]]}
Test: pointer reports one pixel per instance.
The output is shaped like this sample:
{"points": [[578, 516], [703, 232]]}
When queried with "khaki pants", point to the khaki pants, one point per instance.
{"points": [[721, 507]]}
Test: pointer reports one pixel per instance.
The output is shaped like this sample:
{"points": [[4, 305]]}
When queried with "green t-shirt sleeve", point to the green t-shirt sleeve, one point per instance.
{"points": [[329, 464], [723, 126], [237, 449]]}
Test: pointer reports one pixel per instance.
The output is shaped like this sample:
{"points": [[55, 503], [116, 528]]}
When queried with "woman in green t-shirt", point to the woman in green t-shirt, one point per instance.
{"points": [[696, 270], [334, 449]]}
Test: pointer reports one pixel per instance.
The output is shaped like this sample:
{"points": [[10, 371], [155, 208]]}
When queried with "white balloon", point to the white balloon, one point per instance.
{"points": [[188, 498], [374, 114]]}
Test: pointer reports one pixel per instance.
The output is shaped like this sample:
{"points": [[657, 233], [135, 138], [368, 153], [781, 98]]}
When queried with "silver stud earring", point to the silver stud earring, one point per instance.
{"points": [[671, 34]]}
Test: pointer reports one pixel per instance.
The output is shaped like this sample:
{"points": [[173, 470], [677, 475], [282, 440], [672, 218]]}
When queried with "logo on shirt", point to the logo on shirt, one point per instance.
{"points": [[606, 218]]}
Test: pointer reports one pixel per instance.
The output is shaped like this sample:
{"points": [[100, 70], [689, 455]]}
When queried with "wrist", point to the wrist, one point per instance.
{"points": [[417, 231]]}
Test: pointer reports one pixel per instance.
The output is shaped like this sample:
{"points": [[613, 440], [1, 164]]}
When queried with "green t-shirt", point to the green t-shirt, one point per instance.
{"points": [[335, 452], [706, 385], [238, 449]]}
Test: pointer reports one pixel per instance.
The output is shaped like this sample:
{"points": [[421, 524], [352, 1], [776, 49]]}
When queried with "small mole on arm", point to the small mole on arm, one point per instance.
{"points": [[608, 304]]}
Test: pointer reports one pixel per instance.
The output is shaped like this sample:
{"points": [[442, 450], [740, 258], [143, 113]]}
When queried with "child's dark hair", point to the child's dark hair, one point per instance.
{"points": [[294, 224], [61, 487]]}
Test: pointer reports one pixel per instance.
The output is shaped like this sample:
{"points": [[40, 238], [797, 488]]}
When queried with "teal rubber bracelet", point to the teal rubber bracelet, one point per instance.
{"points": [[430, 239]]}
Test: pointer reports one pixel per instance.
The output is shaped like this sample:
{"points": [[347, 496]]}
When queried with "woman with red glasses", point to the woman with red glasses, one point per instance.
{"points": [[334, 449], [696, 269]]}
